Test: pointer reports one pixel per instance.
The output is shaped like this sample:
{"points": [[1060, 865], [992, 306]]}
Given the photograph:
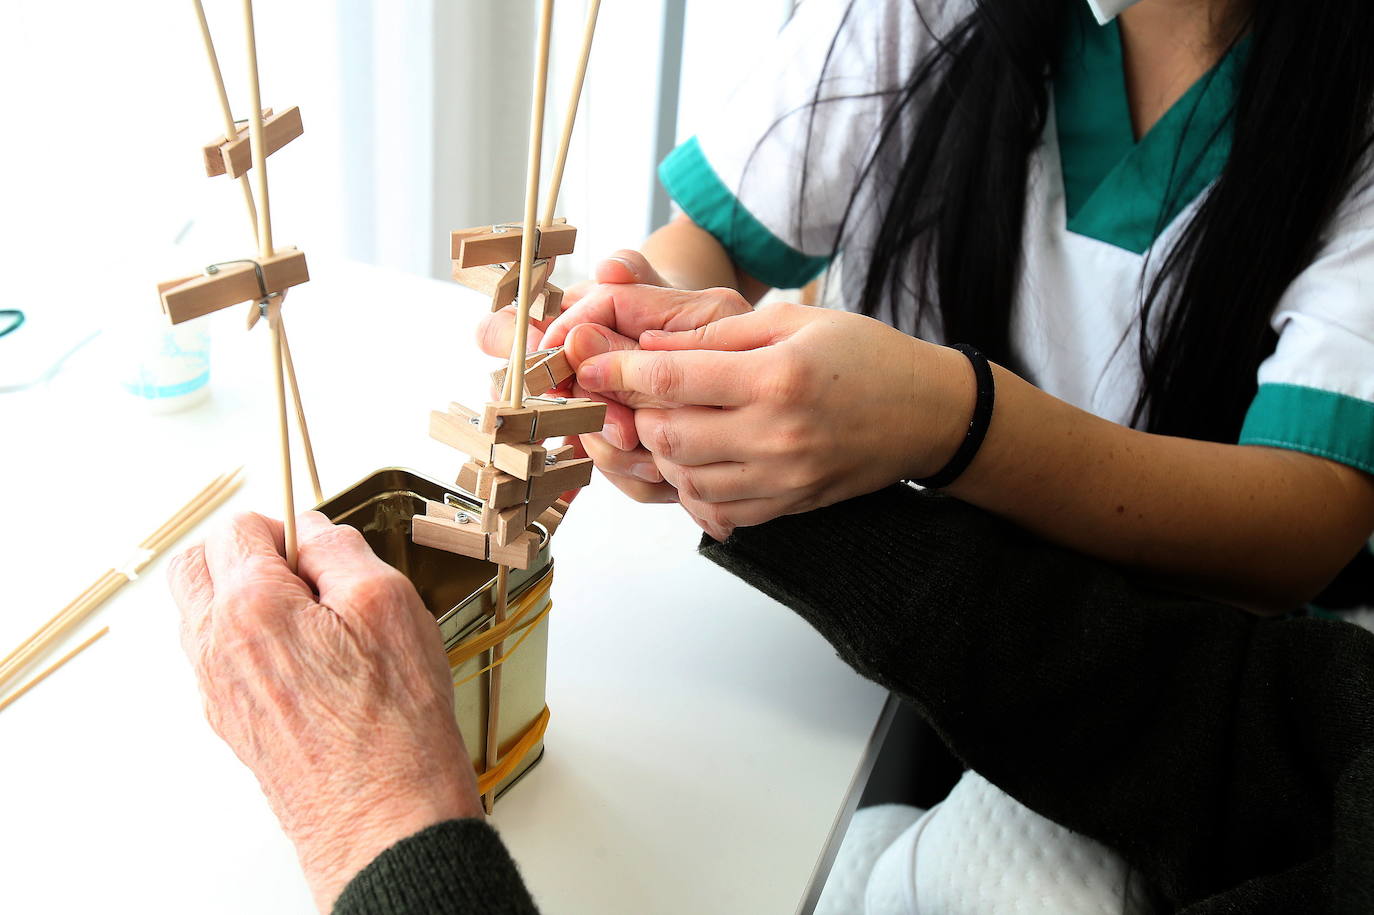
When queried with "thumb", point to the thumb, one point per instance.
{"points": [[627, 266], [735, 333], [587, 340]]}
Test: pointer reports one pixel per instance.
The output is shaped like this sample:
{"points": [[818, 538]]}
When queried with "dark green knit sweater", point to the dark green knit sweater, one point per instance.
{"points": [[1229, 759], [458, 867]]}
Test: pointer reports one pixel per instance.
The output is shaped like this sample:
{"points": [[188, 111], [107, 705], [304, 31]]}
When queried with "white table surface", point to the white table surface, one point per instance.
{"points": [[704, 740]]}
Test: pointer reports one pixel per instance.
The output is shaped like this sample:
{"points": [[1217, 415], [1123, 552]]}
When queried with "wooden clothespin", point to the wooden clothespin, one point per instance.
{"points": [[500, 243], [501, 281], [458, 428], [540, 418], [544, 370], [454, 530], [553, 516], [231, 282], [233, 156]]}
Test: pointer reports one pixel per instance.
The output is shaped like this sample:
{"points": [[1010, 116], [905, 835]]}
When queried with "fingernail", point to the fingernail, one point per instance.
{"points": [[646, 472], [653, 334], [591, 341], [591, 377], [611, 433], [629, 267]]}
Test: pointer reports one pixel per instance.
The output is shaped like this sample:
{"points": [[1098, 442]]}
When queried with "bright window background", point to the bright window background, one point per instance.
{"points": [[416, 117]]}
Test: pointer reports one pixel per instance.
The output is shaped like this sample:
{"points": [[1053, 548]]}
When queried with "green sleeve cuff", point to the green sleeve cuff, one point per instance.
{"points": [[694, 185], [1329, 425]]}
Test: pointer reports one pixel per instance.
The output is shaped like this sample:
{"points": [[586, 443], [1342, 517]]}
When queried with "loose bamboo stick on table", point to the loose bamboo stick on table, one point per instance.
{"points": [[148, 550], [111, 574], [76, 601], [9, 700]]}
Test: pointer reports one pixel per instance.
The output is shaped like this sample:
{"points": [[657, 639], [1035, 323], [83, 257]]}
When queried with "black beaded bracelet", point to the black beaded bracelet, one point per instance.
{"points": [[977, 426]]}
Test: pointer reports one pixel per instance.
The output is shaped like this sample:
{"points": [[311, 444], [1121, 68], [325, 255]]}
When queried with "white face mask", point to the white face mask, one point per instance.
{"points": [[1107, 10]]}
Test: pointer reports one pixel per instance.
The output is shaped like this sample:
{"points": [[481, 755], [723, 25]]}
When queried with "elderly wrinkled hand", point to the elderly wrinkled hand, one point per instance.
{"points": [[330, 684]]}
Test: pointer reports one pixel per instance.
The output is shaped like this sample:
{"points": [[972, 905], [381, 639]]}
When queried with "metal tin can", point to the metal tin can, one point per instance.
{"points": [[461, 594]]}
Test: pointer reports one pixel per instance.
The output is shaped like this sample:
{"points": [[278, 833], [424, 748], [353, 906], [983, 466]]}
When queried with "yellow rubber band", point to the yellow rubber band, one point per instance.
{"points": [[479, 642], [529, 630], [489, 779]]}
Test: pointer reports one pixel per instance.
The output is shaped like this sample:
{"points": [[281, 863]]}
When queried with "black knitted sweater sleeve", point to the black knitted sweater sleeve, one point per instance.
{"points": [[458, 867], [1228, 758]]}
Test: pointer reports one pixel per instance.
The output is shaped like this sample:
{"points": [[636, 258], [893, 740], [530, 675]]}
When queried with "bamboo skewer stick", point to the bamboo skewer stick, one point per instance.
{"points": [[230, 128], [528, 240], [112, 580], [9, 700], [109, 574], [148, 550], [265, 250], [230, 131], [256, 139], [561, 160], [515, 390], [274, 323], [81, 598], [498, 652], [300, 411]]}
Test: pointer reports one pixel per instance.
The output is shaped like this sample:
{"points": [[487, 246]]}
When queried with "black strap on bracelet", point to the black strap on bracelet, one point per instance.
{"points": [[977, 426]]}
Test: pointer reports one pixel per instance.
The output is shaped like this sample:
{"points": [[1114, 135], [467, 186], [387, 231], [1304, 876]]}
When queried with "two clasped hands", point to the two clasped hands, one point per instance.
{"points": [[742, 415]]}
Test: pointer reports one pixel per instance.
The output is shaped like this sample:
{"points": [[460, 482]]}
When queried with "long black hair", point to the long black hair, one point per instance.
{"points": [[951, 229]]}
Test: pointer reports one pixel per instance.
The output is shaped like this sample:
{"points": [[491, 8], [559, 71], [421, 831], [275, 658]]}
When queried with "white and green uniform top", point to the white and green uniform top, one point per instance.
{"points": [[1095, 200]]}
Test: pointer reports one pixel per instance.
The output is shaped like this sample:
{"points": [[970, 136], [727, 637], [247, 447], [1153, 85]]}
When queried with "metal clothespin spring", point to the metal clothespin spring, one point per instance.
{"points": [[265, 297], [460, 516]]}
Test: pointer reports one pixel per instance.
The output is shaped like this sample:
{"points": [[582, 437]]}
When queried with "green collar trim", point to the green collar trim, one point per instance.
{"points": [[1334, 426], [1117, 190], [694, 185]]}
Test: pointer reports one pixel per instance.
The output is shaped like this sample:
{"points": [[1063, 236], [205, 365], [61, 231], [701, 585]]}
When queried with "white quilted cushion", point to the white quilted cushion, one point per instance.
{"points": [[981, 851], [870, 832]]}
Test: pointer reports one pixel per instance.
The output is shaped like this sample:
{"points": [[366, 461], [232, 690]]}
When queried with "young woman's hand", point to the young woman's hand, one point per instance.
{"points": [[615, 449], [610, 318], [497, 330], [330, 684], [785, 409]]}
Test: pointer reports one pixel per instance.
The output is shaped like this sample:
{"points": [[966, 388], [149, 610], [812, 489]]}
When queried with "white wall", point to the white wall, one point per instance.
{"points": [[106, 107], [416, 115]]}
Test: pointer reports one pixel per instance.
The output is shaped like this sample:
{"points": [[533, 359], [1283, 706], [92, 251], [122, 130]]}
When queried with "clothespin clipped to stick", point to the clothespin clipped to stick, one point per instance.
{"points": [[500, 243], [231, 282], [233, 156], [545, 370]]}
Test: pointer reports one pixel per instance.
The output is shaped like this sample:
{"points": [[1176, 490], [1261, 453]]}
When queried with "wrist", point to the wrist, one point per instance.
{"points": [[945, 395], [336, 849]]}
